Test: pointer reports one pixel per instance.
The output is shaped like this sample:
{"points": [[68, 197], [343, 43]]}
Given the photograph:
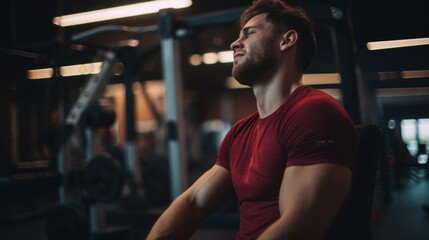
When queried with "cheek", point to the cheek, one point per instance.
{"points": [[253, 50], [257, 52]]}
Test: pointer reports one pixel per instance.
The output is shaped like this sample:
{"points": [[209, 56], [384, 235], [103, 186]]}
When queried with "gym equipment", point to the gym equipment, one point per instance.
{"points": [[98, 116], [104, 179], [358, 218], [104, 176]]}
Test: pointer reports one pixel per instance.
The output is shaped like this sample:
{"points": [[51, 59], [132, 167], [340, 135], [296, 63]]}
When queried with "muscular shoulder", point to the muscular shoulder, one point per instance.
{"points": [[317, 128], [313, 109], [318, 103]]}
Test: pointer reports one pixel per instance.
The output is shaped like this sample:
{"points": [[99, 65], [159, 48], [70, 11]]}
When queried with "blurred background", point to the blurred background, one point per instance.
{"points": [[101, 157]]}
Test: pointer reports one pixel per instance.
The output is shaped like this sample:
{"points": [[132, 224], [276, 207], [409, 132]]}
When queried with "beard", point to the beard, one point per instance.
{"points": [[255, 66]]}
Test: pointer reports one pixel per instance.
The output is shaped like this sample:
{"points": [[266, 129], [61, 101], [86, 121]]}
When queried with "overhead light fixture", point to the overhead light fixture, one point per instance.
{"points": [[321, 78], [42, 73], [226, 56], [410, 74], [195, 59], [415, 74], [119, 12], [211, 58], [65, 71], [397, 43], [307, 79], [80, 69]]}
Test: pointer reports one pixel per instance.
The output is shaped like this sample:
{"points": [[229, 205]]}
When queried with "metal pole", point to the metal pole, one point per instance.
{"points": [[130, 146], [345, 62], [174, 105], [62, 171], [93, 208]]}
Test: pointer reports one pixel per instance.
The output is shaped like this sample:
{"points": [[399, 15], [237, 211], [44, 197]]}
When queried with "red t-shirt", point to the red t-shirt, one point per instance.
{"points": [[309, 127]]}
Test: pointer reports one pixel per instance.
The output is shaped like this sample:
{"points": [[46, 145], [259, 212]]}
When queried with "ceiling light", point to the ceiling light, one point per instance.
{"points": [[321, 78], [415, 74], [42, 73], [66, 71], [195, 59], [210, 58], [397, 43], [80, 69], [226, 56], [307, 79], [409, 74], [119, 12]]}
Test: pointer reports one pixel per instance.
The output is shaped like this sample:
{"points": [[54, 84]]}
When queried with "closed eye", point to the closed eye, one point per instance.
{"points": [[248, 31]]}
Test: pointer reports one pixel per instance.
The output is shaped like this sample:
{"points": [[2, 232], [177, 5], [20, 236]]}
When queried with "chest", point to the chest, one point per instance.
{"points": [[257, 163]]}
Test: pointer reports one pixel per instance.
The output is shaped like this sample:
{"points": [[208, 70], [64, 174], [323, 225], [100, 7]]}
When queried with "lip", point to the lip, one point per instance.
{"points": [[238, 54]]}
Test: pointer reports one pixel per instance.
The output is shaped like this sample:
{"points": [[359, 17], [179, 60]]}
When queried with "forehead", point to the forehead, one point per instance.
{"points": [[258, 20]]}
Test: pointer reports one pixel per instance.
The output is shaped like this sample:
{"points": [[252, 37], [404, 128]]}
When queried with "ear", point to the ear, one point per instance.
{"points": [[288, 40]]}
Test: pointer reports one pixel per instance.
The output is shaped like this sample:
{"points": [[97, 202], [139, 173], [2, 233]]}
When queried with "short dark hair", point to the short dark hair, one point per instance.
{"points": [[285, 17]]}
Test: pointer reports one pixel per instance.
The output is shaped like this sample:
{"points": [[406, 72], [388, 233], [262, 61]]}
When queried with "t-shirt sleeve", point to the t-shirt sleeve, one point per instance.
{"points": [[319, 131]]}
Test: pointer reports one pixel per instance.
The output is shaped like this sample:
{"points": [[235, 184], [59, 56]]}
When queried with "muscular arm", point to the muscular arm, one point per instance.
{"points": [[183, 216], [310, 197]]}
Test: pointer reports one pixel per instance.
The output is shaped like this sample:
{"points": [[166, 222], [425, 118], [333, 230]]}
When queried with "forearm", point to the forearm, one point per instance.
{"points": [[275, 231], [179, 221], [288, 230], [184, 215]]}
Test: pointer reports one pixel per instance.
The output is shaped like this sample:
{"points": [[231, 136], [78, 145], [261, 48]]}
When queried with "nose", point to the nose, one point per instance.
{"points": [[236, 44]]}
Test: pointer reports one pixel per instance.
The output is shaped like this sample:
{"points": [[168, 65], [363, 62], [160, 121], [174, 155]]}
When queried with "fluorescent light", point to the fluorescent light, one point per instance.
{"points": [[80, 69], [66, 71], [119, 12], [225, 56], [410, 74], [307, 79], [210, 58], [397, 43], [321, 78], [415, 74], [42, 73], [195, 59]]}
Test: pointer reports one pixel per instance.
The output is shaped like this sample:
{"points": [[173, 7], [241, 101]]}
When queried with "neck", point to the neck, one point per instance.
{"points": [[271, 94]]}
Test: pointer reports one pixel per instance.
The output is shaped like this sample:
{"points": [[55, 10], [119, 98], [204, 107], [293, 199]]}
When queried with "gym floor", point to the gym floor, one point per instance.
{"points": [[401, 218]]}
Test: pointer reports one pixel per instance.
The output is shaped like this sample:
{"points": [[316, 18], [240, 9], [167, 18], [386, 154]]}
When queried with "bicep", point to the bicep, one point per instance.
{"points": [[311, 195]]}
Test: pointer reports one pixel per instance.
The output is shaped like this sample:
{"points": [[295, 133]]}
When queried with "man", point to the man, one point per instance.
{"points": [[288, 163]]}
